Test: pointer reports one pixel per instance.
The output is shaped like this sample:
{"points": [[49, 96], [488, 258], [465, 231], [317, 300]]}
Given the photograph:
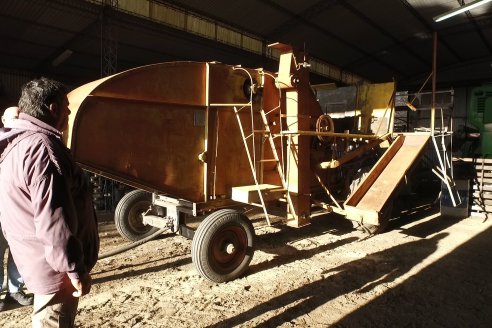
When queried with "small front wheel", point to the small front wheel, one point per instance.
{"points": [[222, 247], [128, 215]]}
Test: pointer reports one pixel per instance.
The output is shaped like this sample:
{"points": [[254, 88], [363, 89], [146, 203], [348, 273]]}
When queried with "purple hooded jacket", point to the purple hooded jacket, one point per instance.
{"points": [[46, 209]]}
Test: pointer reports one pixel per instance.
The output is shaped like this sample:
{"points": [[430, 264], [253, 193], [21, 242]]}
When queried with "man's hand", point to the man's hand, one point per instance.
{"points": [[82, 285]]}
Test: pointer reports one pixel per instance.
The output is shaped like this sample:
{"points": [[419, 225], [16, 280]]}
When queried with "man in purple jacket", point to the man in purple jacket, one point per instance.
{"points": [[46, 212]]}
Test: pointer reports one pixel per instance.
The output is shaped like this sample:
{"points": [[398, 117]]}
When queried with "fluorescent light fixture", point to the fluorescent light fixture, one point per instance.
{"points": [[451, 13], [64, 56]]}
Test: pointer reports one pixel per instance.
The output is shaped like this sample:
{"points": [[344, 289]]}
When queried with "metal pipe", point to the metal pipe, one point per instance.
{"points": [[434, 69], [127, 247]]}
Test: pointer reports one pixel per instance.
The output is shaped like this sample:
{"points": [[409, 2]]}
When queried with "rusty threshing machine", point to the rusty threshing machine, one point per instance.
{"points": [[223, 144]]}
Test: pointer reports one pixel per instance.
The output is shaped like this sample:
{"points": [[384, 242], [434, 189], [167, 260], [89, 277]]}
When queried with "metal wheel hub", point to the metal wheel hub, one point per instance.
{"points": [[135, 218], [228, 248]]}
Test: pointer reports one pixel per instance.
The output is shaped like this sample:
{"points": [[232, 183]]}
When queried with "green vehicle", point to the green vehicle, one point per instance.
{"points": [[480, 116]]}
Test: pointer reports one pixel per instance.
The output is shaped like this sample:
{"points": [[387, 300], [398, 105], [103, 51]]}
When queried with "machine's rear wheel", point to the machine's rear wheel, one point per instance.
{"points": [[222, 247], [128, 215]]}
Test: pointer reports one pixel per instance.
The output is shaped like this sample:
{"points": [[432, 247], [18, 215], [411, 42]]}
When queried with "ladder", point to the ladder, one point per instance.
{"points": [[252, 162]]}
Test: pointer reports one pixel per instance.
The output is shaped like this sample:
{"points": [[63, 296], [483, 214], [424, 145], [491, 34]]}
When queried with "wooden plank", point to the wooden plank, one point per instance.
{"points": [[477, 201], [486, 168], [389, 178], [363, 188], [485, 175], [484, 181], [479, 215], [484, 195], [472, 160], [483, 188], [485, 162], [486, 208], [249, 194], [368, 200], [362, 215]]}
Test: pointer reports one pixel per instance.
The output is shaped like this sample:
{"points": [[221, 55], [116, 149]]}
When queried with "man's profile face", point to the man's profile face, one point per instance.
{"points": [[61, 115]]}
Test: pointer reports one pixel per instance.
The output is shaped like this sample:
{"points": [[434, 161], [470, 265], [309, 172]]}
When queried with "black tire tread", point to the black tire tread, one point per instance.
{"points": [[210, 223], [121, 215]]}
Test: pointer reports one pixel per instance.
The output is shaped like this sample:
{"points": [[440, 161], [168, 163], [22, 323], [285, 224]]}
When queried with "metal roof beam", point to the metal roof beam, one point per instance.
{"points": [[306, 22], [476, 27], [385, 33], [429, 28]]}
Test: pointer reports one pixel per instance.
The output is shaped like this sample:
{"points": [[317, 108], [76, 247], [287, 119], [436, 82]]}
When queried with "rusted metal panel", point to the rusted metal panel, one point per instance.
{"points": [[230, 85], [176, 82], [226, 156], [155, 145], [144, 127], [149, 126]]}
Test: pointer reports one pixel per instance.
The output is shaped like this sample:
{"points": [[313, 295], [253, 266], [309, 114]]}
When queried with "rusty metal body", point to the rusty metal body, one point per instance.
{"points": [[171, 129], [207, 138], [165, 128]]}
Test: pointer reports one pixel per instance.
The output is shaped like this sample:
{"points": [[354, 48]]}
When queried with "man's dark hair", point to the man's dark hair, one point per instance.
{"points": [[37, 95]]}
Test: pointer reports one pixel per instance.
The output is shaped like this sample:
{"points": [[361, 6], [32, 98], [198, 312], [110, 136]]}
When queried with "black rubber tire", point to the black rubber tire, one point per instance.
{"points": [[128, 215], [223, 246]]}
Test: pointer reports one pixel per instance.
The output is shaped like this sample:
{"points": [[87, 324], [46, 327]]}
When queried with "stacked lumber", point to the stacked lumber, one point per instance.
{"points": [[481, 187]]}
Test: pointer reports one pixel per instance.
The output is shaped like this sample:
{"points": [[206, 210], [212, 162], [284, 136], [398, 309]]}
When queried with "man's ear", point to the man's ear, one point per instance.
{"points": [[54, 108]]}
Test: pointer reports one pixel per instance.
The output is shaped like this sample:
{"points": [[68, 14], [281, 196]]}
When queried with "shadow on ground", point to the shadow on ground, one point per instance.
{"points": [[455, 291]]}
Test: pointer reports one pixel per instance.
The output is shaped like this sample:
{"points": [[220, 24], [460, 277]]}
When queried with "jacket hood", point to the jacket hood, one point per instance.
{"points": [[6, 136], [24, 123]]}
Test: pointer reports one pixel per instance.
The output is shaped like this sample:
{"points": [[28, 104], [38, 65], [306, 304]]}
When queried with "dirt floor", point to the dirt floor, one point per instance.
{"points": [[426, 271]]}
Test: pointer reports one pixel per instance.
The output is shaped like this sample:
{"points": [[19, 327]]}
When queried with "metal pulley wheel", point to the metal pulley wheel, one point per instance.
{"points": [[325, 124]]}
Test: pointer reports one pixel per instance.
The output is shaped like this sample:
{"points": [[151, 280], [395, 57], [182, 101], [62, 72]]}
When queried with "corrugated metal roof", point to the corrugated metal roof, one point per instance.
{"points": [[378, 40]]}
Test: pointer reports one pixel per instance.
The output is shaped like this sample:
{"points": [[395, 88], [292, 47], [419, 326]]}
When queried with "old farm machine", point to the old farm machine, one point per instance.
{"points": [[222, 144]]}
